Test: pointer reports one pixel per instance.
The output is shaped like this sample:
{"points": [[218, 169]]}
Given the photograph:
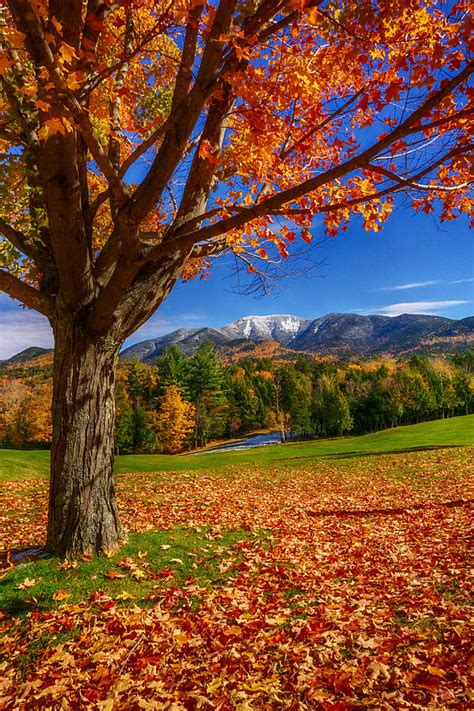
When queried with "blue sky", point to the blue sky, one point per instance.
{"points": [[414, 265]]}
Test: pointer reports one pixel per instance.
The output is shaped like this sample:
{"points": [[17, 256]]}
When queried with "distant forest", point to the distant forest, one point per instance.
{"points": [[185, 402]]}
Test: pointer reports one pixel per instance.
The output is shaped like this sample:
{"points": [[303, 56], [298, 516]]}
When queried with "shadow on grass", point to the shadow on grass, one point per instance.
{"points": [[389, 511], [374, 453]]}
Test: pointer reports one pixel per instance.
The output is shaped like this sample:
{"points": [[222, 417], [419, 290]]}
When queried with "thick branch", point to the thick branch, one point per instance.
{"points": [[183, 121], [31, 23], [20, 242], [29, 296], [201, 173]]}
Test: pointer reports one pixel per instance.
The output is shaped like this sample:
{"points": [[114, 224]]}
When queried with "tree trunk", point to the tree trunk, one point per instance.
{"points": [[83, 515]]}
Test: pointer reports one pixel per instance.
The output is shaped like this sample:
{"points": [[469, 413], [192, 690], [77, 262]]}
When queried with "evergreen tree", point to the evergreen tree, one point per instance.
{"points": [[296, 395], [206, 386], [173, 369]]}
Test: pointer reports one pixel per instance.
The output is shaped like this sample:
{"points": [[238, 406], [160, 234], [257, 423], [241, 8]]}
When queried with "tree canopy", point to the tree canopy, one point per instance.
{"points": [[142, 138]]}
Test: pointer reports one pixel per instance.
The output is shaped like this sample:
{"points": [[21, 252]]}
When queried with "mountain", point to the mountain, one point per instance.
{"points": [[25, 356], [281, 328], [333, 334]]}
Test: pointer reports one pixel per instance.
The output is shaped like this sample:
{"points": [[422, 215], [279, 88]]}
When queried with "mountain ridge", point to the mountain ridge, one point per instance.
{"points": [[332, 334]]}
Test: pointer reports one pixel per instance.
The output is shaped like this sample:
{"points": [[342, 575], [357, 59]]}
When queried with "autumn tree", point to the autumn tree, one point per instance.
{"points": [[174, 421], [143, 138]]}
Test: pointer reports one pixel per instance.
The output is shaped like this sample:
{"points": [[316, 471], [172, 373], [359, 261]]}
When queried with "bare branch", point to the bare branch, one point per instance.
{"points": [[285, 153], [401, 183], [411, 182]]}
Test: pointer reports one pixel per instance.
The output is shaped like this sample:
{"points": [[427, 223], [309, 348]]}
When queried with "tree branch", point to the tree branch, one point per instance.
{"points": [[20, 242], [400, 184], [35, 30], [180, 238], [182, 121], [29, 296]]}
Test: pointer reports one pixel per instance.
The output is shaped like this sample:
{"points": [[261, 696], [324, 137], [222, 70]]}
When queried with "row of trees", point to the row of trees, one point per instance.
{"points": [[184, 402]]}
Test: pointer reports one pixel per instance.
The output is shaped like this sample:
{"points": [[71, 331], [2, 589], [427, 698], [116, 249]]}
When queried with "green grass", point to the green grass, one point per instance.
{"points": [[188, 552], [456, 431]]}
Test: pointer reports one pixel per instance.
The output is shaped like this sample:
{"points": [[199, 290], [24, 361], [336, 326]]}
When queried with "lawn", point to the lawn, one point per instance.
{"points": [[454, 431], [324, 575]]}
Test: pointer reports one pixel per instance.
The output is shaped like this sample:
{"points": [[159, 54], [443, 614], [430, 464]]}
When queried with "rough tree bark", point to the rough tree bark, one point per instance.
{"points": [[83, 515]]}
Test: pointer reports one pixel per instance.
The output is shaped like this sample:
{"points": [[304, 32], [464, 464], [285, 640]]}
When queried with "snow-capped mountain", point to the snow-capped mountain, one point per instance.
{"points": [[338, 334], [280, 327]]}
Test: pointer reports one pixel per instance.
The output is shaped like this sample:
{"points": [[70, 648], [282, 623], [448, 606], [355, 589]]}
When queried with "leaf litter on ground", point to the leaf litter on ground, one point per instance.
{"points": [[346, 588]]}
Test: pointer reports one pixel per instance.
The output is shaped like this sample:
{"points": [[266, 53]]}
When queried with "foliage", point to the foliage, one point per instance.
{"points": [[339, 583], [186, 92], [25, 418], [174, 421]]}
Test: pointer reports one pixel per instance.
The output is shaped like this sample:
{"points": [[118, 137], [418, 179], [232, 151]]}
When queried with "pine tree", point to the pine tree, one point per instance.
{"points": [[206, 384]]}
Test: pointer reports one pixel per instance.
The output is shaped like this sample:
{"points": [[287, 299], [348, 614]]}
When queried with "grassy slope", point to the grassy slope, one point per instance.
{"points": [[456, 431]]}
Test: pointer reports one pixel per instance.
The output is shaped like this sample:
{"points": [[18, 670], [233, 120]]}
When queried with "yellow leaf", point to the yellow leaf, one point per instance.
{"points": [[125, 596], [61, 594], [67, 52], [27, 583], [52, 126]]}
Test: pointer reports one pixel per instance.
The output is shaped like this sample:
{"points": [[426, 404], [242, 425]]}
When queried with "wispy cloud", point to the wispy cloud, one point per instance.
{"points": [[410, 285], [461, 281], [416, 307], [421, 284], [20, 329]]}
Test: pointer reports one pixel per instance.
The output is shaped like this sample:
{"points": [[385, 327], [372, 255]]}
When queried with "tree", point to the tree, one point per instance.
{"points": [[174, 421], [296, 394], [206, 386], [172, 369], [331, 412], [140, 139]]}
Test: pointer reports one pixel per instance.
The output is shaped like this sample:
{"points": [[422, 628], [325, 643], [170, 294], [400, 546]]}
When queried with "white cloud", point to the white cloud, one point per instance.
{"points": [[421, 284], [461, 281], [410, 285], [20, 329], [416, 307]]}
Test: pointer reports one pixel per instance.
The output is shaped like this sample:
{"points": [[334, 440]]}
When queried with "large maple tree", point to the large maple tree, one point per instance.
{"points": [[142, 138]]}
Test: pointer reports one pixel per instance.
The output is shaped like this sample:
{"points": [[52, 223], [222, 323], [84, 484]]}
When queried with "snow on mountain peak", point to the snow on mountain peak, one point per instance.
{"points": [[282, 327]]}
